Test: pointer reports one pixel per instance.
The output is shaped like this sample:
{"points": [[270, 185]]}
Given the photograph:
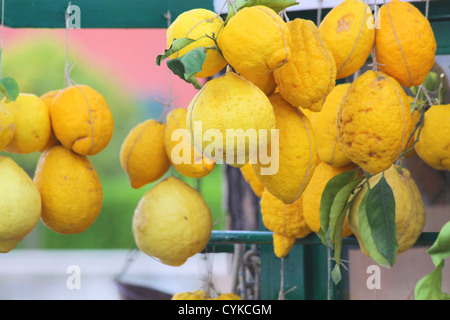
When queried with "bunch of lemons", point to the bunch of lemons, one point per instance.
{"points": [[66, 126], [267, 73]]}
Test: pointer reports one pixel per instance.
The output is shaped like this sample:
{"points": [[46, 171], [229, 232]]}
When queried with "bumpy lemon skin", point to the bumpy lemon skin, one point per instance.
{"points": [[373, 121], [246, 50]]}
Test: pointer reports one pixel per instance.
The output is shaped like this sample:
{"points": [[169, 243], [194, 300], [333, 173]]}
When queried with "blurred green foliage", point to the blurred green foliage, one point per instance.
{"points": [[38, 66]]}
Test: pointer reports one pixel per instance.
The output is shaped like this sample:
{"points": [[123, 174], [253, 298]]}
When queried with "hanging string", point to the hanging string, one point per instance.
{"points": [[319, 13], [1, 37], [69, 65]]}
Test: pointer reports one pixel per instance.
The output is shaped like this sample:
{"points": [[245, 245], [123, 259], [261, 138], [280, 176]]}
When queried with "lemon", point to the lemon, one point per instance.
{"points": [[296, 153], [226, 118], [71, 191], [32, 122], [409, 208], [285, 220], [310, 74], [172, 222], [143, 155], [7, 126], [313, 195], [324, 126], [20, 204], [415, 118], [194, 24], [247, 49], [192, 165], [82, 120], [405, 44], [249, 176], [349, 31], [433, 146], [373, 121]]}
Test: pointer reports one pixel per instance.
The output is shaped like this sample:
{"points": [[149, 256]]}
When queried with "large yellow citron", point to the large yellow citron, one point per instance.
{"points": [[82, 120], [294, 159], [255, 40], [172, 222], [32, 124], [310, 74], [20, 204], [324, 126], [409, 208], [349, 31], [404, 43], [185, 159], [285, 220], [229, 119], [196, 24], [71, 191], [373, 121], [143, 155], [433, 145]]}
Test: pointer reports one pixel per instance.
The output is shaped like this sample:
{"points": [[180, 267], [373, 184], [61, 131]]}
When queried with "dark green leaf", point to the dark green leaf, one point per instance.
{"points": [[440, 249], [430, 286], [176, 46], [188, 65], [333, 186], [380, 209], [366, 235], [9, 88]]}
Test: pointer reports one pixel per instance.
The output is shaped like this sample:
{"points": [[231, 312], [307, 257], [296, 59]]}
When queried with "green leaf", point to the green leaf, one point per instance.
{"points": [[441, 247], [338, 211], [276, 5], [430, 286], [333, 186], [188, 65], [176, 46], [9, 88], [380, 209], [366, 234]]}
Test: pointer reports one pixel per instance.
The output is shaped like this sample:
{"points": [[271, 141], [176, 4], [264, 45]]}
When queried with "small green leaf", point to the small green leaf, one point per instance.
{"points": [[333, 186], [9, 88], [366, 234], [440, 249], [430, 286], [188, 65], [380, 209], [336, 275], [176, 46]]}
